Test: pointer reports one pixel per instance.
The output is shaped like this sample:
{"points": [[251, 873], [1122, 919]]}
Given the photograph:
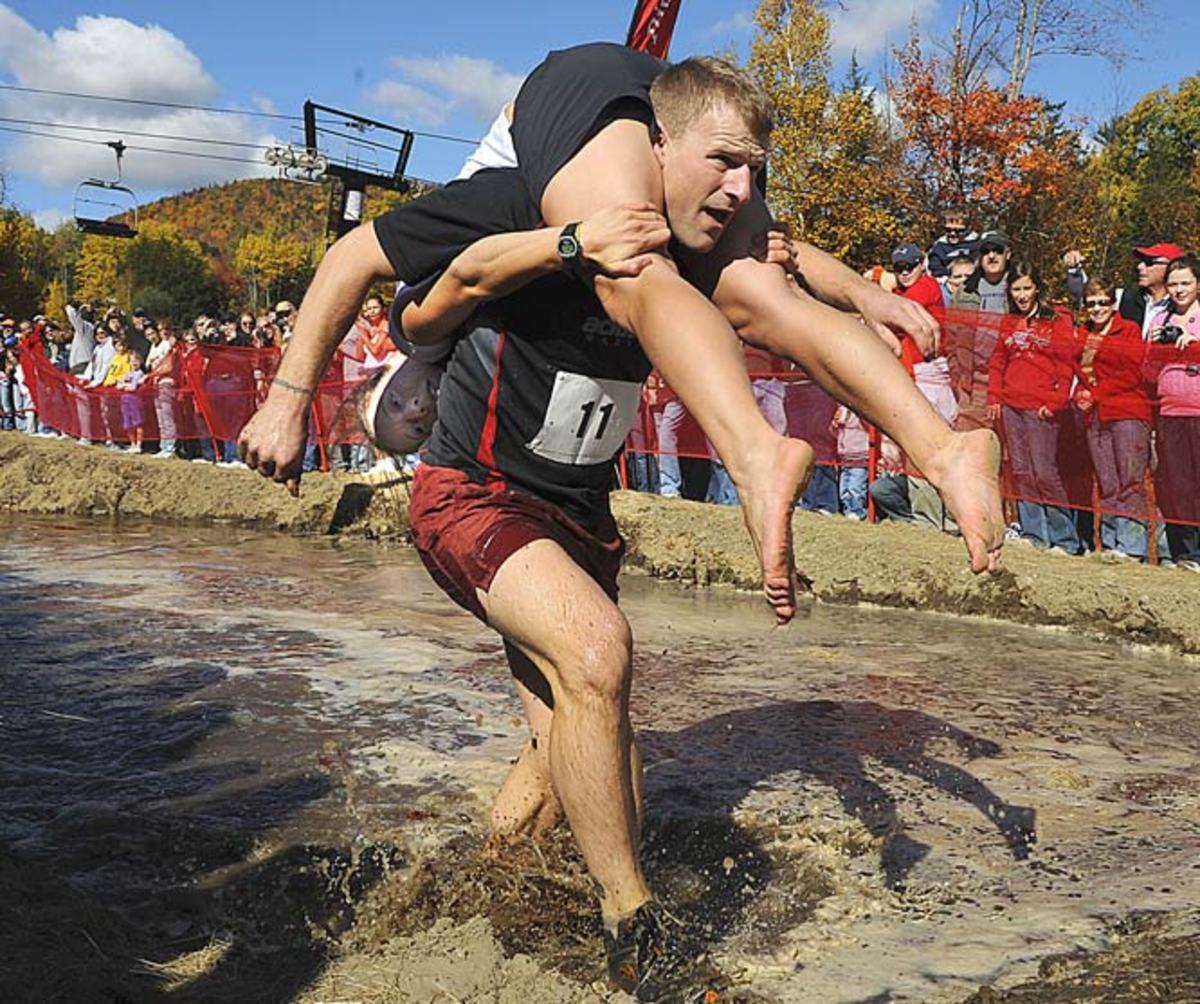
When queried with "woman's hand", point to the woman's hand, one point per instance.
{"points": [[619, 241], [993, 412], [1184, 340], [1045, 414]]}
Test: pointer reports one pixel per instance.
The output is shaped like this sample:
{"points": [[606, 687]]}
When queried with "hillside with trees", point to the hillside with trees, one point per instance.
{"points": [[211, 250]]}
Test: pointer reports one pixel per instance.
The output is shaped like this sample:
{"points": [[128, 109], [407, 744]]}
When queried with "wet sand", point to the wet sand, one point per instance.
{"points": [[842, 562], [246, 766]]}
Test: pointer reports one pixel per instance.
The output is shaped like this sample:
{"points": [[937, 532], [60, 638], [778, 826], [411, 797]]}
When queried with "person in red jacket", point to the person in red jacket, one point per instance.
{"points": [[1112, 396], [1173, 364], [1029, 388]]}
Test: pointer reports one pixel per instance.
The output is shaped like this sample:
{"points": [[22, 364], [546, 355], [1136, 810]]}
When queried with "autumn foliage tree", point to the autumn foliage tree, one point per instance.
{"points": [[1147, 176], [1007, 160], [25, 263], [160, 263], [275, 268], [834, 168]]}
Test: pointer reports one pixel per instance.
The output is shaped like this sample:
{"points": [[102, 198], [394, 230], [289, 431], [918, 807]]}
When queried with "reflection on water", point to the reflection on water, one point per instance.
{"points": [[273, 741]]}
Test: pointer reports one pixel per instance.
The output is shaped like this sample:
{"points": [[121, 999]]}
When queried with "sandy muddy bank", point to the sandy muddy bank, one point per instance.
{"points": [[843, 561]]}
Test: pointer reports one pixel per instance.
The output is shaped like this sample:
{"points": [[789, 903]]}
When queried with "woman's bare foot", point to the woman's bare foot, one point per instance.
{"points": [[966, 471], [767, 511]]}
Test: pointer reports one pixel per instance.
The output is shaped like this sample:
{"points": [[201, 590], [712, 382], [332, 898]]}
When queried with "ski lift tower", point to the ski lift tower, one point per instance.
{"points": [[357, 152]]}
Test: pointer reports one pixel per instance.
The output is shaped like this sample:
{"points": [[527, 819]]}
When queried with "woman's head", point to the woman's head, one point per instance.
{"points": [[1024, 289], [397, 404], [1182, 275], [1099, 302]]}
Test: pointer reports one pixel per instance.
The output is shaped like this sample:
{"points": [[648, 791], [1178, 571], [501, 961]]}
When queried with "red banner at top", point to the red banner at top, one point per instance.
{"points": [[651, 27]]}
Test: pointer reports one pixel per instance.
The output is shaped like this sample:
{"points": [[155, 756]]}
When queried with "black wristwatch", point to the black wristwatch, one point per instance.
{"points": [[570, 251]]}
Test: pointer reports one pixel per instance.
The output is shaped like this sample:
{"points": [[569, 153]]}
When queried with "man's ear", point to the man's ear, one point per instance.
{"points": [[659, 140]]}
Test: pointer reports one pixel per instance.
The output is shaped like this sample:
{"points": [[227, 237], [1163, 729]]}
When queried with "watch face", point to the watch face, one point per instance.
{"points": [[568, 246]]}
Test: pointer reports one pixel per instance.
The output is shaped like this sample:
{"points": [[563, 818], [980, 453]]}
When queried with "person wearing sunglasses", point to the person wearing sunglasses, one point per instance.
{"points": [[1111, 395], [970, 339], [957, 241], [1141, 302], [932, 377]]}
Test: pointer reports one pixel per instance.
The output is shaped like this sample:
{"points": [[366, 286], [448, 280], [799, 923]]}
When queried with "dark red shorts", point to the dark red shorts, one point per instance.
{"points": [[464, 532]]}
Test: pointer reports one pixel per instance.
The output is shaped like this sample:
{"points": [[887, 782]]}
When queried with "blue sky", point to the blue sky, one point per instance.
{"points": [[436, 67]]}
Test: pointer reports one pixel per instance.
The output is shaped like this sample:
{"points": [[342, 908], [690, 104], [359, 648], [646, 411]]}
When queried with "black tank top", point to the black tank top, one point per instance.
{"points": [[542, 398]]}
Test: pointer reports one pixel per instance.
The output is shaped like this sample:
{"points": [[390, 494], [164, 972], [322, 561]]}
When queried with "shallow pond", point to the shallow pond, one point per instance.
{"points": [[286, 748]]}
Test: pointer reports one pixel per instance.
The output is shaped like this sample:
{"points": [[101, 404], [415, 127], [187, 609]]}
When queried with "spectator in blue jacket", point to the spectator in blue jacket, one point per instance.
{"points": [[956, 242]]}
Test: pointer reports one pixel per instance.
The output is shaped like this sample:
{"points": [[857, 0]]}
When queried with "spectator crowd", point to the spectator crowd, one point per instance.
{"points": [[1096, 401], [132, 382]]}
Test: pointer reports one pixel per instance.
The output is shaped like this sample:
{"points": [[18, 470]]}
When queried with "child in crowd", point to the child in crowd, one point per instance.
{"points": [[852, 449], [131, 402]]}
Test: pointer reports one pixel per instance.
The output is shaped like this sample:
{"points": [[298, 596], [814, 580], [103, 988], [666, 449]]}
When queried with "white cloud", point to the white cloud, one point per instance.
{"points": [[115, 57], [477, 86], [409, 103], [738, 23], [868, 26], [50, 219]]}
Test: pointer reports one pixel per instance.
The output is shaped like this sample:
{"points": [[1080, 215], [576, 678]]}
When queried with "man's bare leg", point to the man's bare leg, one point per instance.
{"points": [[546, 605], [853, 365], [693, 347], [526, 807]]}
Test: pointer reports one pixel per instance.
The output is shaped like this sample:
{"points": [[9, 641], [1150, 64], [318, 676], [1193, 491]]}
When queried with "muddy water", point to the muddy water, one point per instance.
{"points": [[244, 767]]}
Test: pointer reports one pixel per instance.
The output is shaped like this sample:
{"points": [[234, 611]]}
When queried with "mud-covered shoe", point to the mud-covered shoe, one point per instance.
{"points": [[646, 961]]}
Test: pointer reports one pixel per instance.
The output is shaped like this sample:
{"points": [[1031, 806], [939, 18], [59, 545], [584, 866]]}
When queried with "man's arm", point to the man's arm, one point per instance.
{"points": [[273, 440], [616, 242]]}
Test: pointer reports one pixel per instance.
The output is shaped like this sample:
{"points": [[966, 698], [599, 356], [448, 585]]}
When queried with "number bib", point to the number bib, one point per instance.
{"points": [[587, 419]]}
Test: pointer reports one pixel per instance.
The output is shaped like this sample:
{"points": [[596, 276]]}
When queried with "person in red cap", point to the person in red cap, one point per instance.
{"points": [[1150, 295]]}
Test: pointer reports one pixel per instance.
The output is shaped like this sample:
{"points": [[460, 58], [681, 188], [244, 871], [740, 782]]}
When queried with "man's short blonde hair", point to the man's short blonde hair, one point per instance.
{"points": [[685, 92]]}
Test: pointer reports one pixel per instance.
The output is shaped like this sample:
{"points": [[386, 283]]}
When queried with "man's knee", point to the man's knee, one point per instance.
{"points": [[600, 664]]}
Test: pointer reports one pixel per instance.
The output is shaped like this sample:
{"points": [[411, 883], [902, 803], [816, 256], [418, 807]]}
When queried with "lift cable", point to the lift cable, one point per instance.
{"points": [[202, 108]]}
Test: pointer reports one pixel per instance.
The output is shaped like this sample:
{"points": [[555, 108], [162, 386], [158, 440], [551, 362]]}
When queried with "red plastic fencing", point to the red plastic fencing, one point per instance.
{"points": [[211, 393], [1074, 410]]}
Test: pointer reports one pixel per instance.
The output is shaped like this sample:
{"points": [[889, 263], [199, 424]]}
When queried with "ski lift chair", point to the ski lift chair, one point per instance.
{"points": [[99, 205]]}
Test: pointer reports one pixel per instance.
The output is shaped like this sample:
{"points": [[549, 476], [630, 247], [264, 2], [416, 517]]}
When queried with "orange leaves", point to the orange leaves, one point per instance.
{"points": [[973, 144]]}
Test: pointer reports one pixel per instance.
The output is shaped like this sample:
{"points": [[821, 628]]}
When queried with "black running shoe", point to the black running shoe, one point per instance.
{"points": [[645, 962]]}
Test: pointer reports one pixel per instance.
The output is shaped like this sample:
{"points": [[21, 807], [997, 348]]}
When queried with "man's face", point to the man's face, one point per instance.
{"points": [[993, 260], [708, 174], [1151, 272], [909, 271]]}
